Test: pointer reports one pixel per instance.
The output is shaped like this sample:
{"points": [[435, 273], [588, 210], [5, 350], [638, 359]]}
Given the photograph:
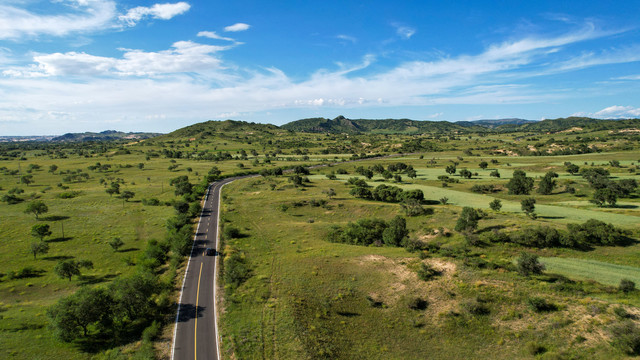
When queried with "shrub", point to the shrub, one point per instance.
{"points": [[626, 286], [528, 264], [626, 337], [418, 304], [476, 307], [231, 232], [534, 348], [539, 304], [427, 272]]}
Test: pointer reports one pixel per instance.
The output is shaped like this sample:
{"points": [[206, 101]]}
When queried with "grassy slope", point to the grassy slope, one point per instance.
{"points": [[605, 273], [307, 297]]}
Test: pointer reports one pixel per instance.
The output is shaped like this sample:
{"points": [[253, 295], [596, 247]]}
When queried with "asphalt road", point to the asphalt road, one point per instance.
{"points": [[196, 330]]}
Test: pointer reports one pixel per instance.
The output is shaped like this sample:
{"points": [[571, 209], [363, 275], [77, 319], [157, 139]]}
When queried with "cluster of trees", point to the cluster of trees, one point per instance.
{"points": [[386, 193], [107, 311], [577, 236], [371, 232], [392, 171], [607, 191]]}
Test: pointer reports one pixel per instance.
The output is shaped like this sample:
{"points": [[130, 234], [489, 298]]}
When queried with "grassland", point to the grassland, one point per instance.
{"points": [[309, 298]]}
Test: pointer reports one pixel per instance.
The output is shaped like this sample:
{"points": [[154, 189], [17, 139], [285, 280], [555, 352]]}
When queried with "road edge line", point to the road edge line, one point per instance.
{"points": [[215, 274], [175, 327]]}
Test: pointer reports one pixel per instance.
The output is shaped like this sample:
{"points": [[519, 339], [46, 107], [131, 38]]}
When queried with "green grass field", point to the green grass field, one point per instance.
{"points": [[584, 269]]}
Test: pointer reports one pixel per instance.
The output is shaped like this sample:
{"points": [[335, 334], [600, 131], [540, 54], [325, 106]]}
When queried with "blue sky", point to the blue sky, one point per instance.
{"points": [[133, 65]]}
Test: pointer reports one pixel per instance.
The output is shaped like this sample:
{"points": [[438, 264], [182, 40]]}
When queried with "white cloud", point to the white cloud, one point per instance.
{"points": [[629, 77], [213, 35], [189, 82], [157, 11], [618, 112], [347, 38], [404, 31], [237, 27], [80, 16], [183, 57]]}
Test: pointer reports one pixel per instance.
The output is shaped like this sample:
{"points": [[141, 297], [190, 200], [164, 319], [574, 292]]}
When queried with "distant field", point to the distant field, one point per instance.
{"points": [[582, 269], [551, 212]]}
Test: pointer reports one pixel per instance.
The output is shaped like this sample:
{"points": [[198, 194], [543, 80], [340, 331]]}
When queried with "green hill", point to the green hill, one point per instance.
{"points": [[210, 128], [383, 126]]}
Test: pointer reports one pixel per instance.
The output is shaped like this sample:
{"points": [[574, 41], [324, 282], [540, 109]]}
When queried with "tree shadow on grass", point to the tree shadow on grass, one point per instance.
{"points": [[550, 217], [490, 228], [95, 279], [54, 218], [58, 258], [347, 313], [625, 206], [128, 250], [60, 239]]}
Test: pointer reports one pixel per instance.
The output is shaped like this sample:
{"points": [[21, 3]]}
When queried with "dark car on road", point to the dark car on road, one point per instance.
{"points": [[210, 252]]}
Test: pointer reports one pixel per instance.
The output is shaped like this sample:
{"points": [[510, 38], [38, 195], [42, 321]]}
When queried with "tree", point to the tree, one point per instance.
{"points": [[116, 244], [495, 205], [547, 184], [528, 206], [450, 169], [468, 220], [444, 200], [40, 231], [605, 195], [483, 165], [494, 173], [140, 166], [296, 180], [182, 185], [573, 169], [133, 295], [395, 232], [40, 247], [397, 178], [26, 179], [66, 269], [114, 188], [387, 174], [466, 173], [71, 316], [126, 195], [329, 192], [520, 184], [53, 168], [36, 207], [528, 264], [412, 174]]}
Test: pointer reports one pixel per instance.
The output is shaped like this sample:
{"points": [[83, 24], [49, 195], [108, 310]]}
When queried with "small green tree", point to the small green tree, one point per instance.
{"points": [[468, 220], [329, 192], [39, 247], [444, 200], [520, 184], [395, 232], [26, 179], [573, 169], [36, 207], [126, 195], [528, 264], [40, 231], [466, 173], [66, 269], [528, 206], [483, 165], [547, 184], [116, 244], [114, 188], [72, 316], [53, 168], [450, 169], [412, 173], [495, 173], [495, 205]]}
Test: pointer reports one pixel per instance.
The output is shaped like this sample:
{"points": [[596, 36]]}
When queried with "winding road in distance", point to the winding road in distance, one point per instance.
{"points": [[196, 330]]}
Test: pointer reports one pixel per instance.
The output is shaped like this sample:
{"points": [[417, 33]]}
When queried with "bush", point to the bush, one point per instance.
{"points": [[236, 270], [476, 307], [626, 286], [534, 348], [151, 202], [528, 264], [539, 304], [626, 337], [418, 304], [231, 232], [427, 272]]}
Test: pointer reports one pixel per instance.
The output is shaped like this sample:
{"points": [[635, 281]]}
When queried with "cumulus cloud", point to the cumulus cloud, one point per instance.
{"points": [[237, 27], [618, 112], [157, 11], [183, 57]]}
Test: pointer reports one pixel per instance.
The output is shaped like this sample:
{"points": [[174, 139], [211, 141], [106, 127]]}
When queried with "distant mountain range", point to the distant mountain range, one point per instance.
{"points": [[342, 125]]}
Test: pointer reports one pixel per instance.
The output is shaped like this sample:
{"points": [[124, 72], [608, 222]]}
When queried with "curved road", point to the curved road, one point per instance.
{"points": [[196, 330]]}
